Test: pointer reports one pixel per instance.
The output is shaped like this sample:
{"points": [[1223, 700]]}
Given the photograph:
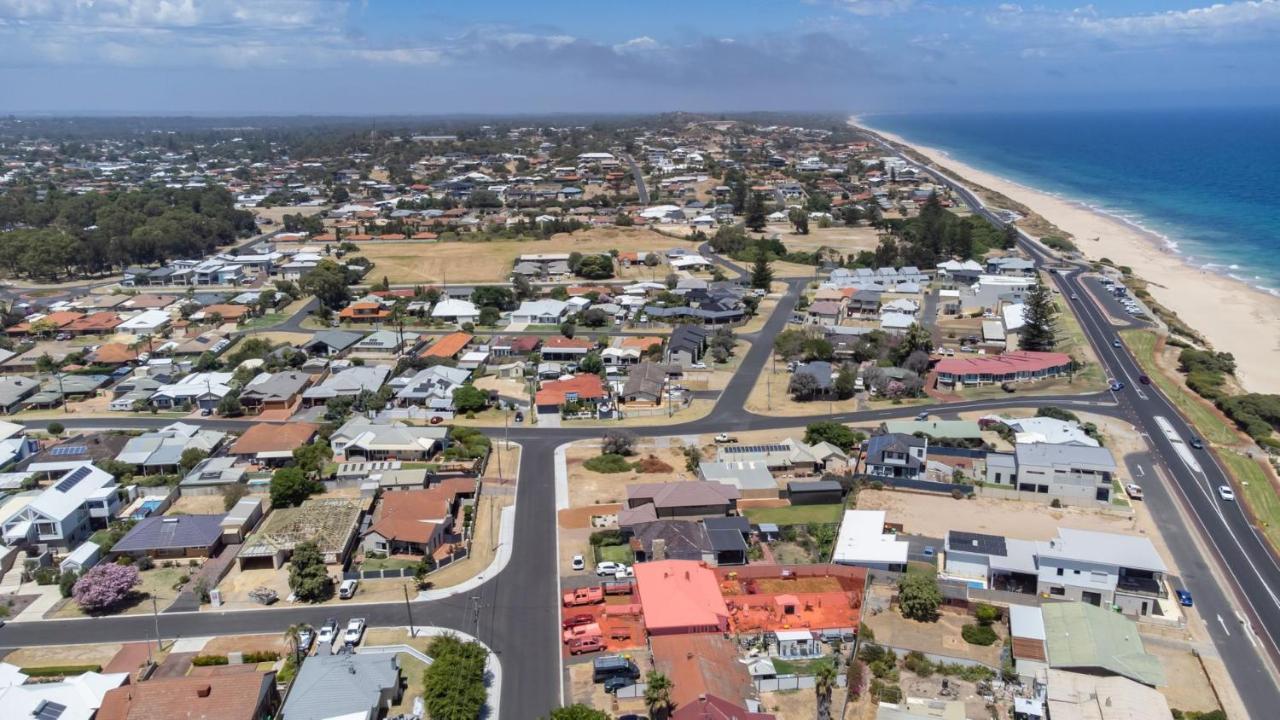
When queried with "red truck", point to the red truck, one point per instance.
{"points": [[583, 596], [618, 587], [575, 620]]}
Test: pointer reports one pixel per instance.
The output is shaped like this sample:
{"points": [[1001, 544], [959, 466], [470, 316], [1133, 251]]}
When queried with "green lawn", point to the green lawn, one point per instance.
{"points": [[797, 667], [1259, 493], [615, 553], [797, 514], [411, 670], [264, 321], [1071, 340], [1211, 427], [387, 564]]}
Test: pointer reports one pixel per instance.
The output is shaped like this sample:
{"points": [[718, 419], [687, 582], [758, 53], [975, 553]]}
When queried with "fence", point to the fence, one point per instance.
{"points": [[918, 485], [794, 682], [1004, 493]]}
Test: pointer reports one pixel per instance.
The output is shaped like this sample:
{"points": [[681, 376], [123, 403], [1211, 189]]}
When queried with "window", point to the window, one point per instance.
{"points": [[1060, 572], [1057, 591]]}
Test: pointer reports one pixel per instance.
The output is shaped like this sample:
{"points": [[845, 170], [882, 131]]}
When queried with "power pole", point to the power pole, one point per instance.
{"points": [[408, 608], [155, 614]]}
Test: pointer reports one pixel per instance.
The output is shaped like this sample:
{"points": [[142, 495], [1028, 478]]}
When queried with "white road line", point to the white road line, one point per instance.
{"points": [[1141, 473], [1223, 623]]}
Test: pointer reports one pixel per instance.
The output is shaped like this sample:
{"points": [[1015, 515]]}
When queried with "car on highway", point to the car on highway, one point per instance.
{"points": [[1184, 598], [609, 567], [579, 563], [328, 632], [347, 589], [1196, 443], [1075, 296], [1145, 380], [1226, 493], [1116, 385], [1115, 343], [355, 630], [1133, 490]]}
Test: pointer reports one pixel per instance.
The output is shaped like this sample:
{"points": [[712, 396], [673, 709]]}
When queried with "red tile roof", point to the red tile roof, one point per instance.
{"points": [[272, 437], [1003, 364], [233, 696], [447, 346], [413, 515], [680, 596], [584, 387]]}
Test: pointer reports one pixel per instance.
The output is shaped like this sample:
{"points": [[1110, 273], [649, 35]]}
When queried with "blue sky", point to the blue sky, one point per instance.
{"points": [[502, 56]]}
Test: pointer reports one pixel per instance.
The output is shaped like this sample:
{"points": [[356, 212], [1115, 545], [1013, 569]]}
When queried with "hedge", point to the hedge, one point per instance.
{"points": [[253, 658], [608, 463], [204, 660], [978, 635], [60, 670]]}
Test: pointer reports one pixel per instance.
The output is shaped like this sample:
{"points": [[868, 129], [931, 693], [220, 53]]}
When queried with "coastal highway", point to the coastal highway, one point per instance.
{"points": [[1246, 640], [642, 192]]}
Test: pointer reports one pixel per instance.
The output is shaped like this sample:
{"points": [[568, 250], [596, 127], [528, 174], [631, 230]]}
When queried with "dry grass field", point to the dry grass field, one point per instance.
{"points": [[844, 240], [411, 263]]}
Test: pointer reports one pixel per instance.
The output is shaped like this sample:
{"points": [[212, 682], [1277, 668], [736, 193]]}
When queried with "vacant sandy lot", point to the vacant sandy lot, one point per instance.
{"points": [[593, 488], [197, 505], [409, 262], [63, 655], [769, 396], [844, 240]]}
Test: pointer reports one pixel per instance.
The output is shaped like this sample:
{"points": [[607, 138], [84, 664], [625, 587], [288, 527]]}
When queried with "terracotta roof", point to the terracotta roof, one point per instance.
{"points": [[680, 596], [425, 236], [1029, 649], [447, 346], [233, 696], [699, 666], [716, 708], [412, 515], [94, 322], [641, 343], [1005, 363], [113, 354], [271, 437], [153, 301], [586, 387], [562, 342]]}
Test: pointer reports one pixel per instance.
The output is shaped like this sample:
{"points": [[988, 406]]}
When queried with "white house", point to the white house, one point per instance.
{"points": [[198, 389], [863, 542], [147, 322], [76, 698], [66, 512], [455, 311], [541, 312]]}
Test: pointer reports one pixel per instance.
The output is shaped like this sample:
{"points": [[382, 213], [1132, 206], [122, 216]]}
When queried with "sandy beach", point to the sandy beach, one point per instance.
{"points": [[1234, 317]]}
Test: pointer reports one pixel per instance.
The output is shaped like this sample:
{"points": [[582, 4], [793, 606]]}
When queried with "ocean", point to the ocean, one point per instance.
{"points": [[1205, 181]]}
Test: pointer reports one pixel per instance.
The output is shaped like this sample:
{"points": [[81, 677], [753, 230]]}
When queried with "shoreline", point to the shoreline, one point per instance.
{"points": [[1233, 315]]}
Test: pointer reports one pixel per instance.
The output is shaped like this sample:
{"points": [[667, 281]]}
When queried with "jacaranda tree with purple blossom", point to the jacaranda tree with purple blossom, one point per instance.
{"points": [[105, 586]]}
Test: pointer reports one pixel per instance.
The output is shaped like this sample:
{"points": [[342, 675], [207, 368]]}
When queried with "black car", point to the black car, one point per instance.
{"points": [[1196, 443], [614, 684]]}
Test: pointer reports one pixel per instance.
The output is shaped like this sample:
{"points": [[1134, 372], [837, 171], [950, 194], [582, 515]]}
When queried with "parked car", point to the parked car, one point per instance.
{"points": [[725, 439], [583, 596], [1184, 598], [614, 684], [1134, 491], [929, 551], [698, 366], [355, 630], [624, 572], [306, 636], [519, 418], [579, 563], [575, 620], [1226, 493], [347, 589], [608, 567], [328, 632], [584, 645]]}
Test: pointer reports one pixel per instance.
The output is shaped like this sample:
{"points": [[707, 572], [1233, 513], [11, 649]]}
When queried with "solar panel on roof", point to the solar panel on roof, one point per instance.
{"points": [[73, 478], [757, 448], [49, 710], [69, 450]]}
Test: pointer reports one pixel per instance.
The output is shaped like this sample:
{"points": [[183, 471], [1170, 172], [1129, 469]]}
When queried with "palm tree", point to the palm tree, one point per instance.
{"points": [[825, 678], [293, 636], [657, 694]]}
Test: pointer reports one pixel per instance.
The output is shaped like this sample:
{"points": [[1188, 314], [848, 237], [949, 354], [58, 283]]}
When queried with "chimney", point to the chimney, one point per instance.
{"points": [[659, 550], [204, 690]]}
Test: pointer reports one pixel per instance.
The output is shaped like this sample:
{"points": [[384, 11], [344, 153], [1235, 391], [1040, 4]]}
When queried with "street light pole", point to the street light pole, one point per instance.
{"points": [[408, 608], [155, 614]]}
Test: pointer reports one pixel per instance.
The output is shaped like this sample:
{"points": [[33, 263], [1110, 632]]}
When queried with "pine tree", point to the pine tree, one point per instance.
{"points": [[1038, 319], [755, 212], [761, 270]]}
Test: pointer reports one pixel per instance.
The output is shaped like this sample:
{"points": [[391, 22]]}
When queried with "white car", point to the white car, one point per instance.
{"points": [[579, 563], [328, 632], [608, 568], [1226, 493], [624, 572], [355, 629], [347, 589]]}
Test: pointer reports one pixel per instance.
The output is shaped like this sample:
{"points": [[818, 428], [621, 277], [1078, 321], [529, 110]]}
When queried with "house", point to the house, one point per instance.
{"points": [[78, 697], [645, 383], [228, 696], [864, 542], [113, 354], [330, 343], [789, 457], [82, 499], [14, 390], [331, 523], [73, 451], [682, 499], [1089, 697], [348, 382], [546, 311], [416, 522], [212, 342], [713, 707], [991, 561], [161, 450], [274, 391], [446, 347], [701, 666], [85, 556], [752, 478], [563, 349], [172, 536], [1082, 638], [1010, 367], [202, 389], [147, 322], [380, 342], [1103, 569], [686, 345], [1069, 473], [455, 311], [823, 376], [431, 387], [347, 686], [1044, 430], [894, 455], [223, 312], [363, 311], [951, 429], [814, 492], [555, 394], [272, 444], [214, 472], [360, 437], [98, 323], [680, 597], [824, 312]]}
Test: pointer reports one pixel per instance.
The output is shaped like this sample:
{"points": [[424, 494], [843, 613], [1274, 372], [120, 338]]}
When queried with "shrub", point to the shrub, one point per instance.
{"points": [[986, 614], [67, 583], [919, 597], [144, 562], [652, 464], [104, 586], [60, 670], [207, 660], [607, 463], [1055, 503], [917, 663], [885, 692], [260, 656], [606, 537], [618, 442], [978, 635]]}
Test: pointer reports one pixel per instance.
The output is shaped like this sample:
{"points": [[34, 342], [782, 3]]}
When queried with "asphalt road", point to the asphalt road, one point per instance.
{"points": [[642, 192]]}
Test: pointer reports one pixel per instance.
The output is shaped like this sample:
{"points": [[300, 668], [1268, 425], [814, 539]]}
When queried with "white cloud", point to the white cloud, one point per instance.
{"points": [[875, 7], [1216, 22]]}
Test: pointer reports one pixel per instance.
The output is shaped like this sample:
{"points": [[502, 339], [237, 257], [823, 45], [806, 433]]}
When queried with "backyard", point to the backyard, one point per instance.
{"points": [[157, 582], [829, 514]]}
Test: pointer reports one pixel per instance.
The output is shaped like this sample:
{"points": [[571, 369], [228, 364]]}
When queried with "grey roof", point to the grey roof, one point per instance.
{"points": [[819, 369], [978, 543], [14, 388], [331, 686], [796, 486], [350, 381], [160, 532], [1065, 456], [742, 474], [280, 386], [684, 539], [336, 339]]}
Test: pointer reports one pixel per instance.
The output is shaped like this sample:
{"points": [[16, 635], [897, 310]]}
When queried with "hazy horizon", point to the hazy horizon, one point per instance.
{"points": [[347, 58]]}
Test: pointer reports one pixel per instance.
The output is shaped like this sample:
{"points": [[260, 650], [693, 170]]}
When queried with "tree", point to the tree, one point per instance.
{"points": [[755, 212], [591, 363], [190, 458], [1038, 320], [522, 287], [799, 220], [692, 457], [55, 429], [489, 316], [329, 283], [229, 405], [618, 442], [233, 494], [568, 329], [105, 586], [453, 684], [308, 577], [293, 637], [290, 486], [824, 683], [919, 597], [657, 695], [578, 712], [761, 271], [917, 339], [311, 458], [846, 381], [832, 432], [803, 386], [470, 399], [789, 344]]}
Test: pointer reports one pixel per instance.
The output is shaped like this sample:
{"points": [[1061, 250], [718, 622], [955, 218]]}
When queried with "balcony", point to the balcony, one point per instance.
{"points": [[1138, 585]]}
